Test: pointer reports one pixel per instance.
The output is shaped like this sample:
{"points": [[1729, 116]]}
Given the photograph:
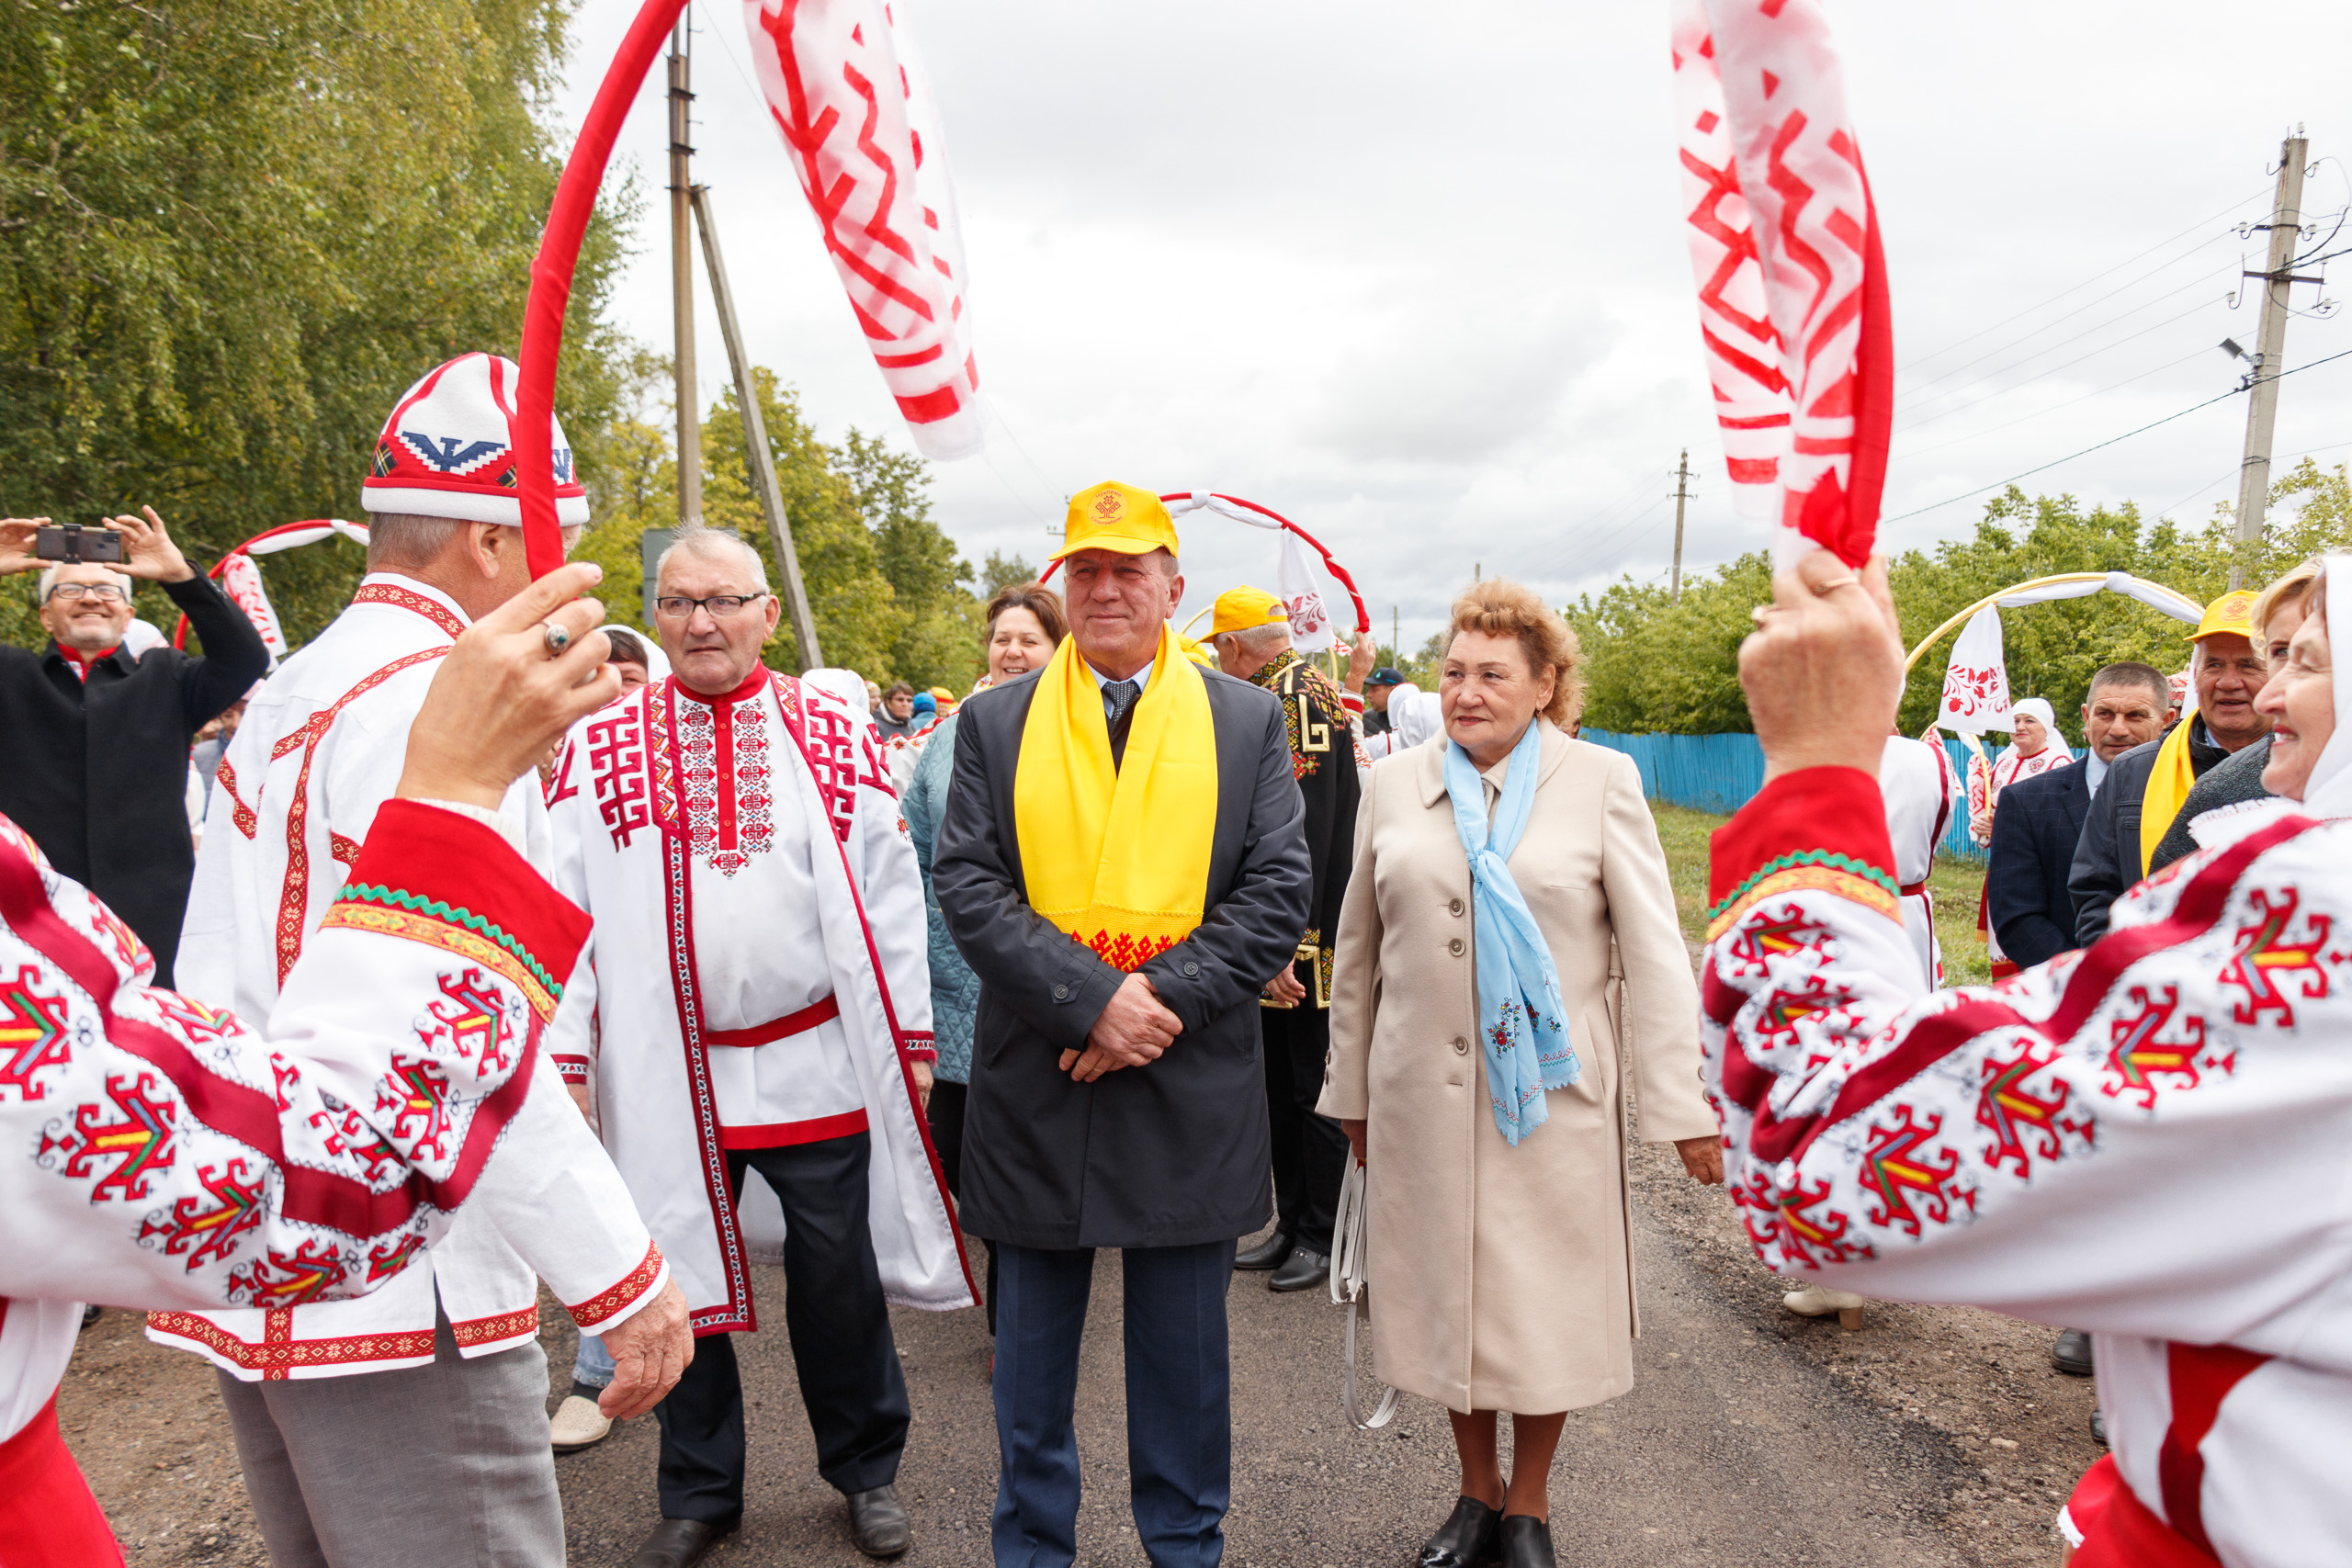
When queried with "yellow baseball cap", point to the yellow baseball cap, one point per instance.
{"points": [[1112, 516], [2232, 613], [1238, 609]]}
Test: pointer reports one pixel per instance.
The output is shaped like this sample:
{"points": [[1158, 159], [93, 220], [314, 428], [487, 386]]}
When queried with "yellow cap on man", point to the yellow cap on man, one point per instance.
{"points": [[1241, 608], [2233, 614], [1121, 518]]}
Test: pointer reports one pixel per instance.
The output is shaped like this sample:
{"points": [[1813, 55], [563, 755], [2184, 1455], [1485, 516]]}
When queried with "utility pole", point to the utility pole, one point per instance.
{"points": [[682, 275], [1393, 651], [756, 456], [1682, 494], [2262, 408]]}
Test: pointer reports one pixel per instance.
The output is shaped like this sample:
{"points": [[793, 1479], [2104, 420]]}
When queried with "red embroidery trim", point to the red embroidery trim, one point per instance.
{"points": [[520, 1325], [240, 812], [388, 593], [600, 1308], [276, 1357]]}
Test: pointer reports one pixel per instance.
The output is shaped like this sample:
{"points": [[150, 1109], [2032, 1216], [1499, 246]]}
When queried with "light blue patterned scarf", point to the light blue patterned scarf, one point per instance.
{"points": [[1522, 1022]]}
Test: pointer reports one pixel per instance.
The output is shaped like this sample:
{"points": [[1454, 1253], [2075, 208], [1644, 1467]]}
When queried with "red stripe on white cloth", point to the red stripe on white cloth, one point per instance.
{"points": [[2202, 1376], [824, 1009], [786, 1134]]}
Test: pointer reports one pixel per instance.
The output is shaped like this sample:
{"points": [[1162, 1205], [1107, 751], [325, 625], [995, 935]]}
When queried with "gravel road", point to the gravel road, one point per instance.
{"points": [[1938, 1436]]}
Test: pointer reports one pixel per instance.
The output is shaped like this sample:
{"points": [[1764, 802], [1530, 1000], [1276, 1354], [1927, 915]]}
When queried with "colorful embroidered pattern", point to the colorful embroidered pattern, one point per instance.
{"points": [[368, 907], [205, 1232], [389, 594], [276, 1358], [1820, 871], [138, 1140], [32, 1035], [600, 1307]]}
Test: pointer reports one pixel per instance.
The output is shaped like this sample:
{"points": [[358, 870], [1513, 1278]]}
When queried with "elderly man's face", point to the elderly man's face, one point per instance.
{"points": [[712, 654], [2229, 677], [1118, 604], [90, 616]]}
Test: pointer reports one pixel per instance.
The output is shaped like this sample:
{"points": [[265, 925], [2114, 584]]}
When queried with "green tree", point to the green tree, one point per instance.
{"points": [[1001, 570], [238, 229]]}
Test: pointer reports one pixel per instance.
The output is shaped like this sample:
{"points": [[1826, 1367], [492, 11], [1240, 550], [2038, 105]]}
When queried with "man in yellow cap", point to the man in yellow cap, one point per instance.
{"points": [[1121, 863], [1250, 631], [2145, 785]]}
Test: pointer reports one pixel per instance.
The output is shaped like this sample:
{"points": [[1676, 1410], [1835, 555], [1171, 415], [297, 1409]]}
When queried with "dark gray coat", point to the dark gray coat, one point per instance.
{"points": [[1169, 1155]]}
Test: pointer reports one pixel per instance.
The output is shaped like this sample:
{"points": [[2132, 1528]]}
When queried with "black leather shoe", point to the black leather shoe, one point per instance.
{"points": [[2099, 1426], [1470, 1538], [878, 1522], [2072, 1354], [1527, 1542], [680, 1543], [1303, 1269], [1267, 1253]]}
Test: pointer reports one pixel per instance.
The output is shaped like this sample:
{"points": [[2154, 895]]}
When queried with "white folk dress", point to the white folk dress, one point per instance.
{"points": [[320, 750], [761, 977], [2146, 1138], [1916, 788], [162, 1153]]}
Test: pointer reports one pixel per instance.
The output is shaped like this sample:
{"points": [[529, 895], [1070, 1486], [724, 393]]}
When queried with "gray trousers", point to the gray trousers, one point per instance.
{"points": [[427, 1467]]}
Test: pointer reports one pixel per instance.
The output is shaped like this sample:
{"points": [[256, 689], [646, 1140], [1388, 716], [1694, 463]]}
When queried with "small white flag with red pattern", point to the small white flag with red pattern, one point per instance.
{"points": [[1792, 302], [848, 94], [241, 580]]}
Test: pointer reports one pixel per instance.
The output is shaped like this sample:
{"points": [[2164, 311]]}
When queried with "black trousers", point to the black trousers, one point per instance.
{"points": [[842, 1347], [1310, 1152], [946, 1117]]}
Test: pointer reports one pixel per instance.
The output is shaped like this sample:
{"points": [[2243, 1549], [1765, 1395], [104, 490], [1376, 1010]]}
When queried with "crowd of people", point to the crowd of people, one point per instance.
{"points": [[511, 948]]}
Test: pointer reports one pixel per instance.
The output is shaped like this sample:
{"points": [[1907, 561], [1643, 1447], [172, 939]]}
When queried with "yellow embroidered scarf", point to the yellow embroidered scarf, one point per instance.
{"points": [[2169, 783], [1119, 858]]}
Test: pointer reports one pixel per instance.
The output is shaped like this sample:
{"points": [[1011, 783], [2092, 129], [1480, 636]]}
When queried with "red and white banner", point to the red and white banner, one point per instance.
{"points": [[241, 580], [1792, 302], [861, 126], [1310, 620], [1977, 682]]}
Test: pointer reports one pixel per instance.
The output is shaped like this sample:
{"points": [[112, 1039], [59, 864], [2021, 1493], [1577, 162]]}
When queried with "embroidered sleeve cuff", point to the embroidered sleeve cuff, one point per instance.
{"points": [[573, 1068], [1351, 701], [922, 1048], [431, 875], [611, 1308], [1819, 829]]}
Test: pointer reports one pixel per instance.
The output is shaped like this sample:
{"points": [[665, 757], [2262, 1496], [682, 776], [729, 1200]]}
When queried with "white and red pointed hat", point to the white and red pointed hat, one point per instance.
{"points": [[448, 449]]}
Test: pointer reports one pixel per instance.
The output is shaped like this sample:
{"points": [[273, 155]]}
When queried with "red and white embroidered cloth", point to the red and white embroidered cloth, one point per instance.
{"points": [[847, 92], [1793, 303], [319, 752], [2146, 1138], [1914, 785], [761, 974], [165, 1154]]}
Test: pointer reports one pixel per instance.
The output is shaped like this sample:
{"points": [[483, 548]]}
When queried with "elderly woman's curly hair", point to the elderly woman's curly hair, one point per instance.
{"points": [[1499, 607]]}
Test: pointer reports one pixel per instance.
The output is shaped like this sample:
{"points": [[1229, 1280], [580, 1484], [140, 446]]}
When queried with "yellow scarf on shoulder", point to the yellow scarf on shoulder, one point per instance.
{"points": [[2169, 783], [1118, 857]]}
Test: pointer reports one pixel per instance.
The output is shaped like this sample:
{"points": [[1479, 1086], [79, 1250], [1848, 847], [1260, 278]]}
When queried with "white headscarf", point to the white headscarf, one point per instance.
{"points": [[2040, 708], [2329, 791]]}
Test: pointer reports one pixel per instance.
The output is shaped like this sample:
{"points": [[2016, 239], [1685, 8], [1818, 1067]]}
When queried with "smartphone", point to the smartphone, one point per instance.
{"points": [[75, 543]]}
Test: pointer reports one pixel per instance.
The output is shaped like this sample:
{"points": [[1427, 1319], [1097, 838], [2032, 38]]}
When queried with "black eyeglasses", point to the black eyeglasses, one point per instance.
{"points": [[104, 592], [722, 606]]}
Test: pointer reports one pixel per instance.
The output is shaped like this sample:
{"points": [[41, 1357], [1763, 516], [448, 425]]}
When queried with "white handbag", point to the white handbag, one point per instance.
{"points": [[1347, 1288]]}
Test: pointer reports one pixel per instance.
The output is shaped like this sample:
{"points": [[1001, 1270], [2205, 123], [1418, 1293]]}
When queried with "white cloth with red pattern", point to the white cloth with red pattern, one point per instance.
{"points": [[169, 1155], [2146, 1138], [1914, 785], [761, 974], [319, 752]]}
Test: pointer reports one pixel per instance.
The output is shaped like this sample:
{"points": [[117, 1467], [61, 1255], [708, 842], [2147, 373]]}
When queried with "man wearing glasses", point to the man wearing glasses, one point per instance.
{"points": [[99, 739], [764, 994]]}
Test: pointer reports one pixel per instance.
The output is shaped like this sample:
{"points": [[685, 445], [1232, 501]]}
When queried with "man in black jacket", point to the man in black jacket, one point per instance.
{"points": [[2038, 822], [1251, 635], [1121, 863], [2113, 856], [98, 740]]}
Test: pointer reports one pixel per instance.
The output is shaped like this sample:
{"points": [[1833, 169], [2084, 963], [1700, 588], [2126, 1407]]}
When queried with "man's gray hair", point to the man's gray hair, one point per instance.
{"points": [[1257, 642], [405, 541], [49, 579], [713, 544]]}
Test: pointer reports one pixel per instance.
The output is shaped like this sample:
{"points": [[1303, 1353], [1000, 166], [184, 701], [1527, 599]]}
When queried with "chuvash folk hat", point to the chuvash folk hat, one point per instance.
{"points": [[448, 449]]}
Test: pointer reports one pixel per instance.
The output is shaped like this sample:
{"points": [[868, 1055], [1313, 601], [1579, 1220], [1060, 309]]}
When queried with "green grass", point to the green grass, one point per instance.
{"points": [[1954, 883]]}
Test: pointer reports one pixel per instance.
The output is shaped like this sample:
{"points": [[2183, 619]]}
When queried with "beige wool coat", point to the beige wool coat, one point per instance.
{"points": [[1502, 1278]]}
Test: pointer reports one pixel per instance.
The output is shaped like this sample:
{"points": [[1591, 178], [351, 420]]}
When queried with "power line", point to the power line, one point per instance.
{"points": [[2069, 364], [2001, 484], [2119, 266], [2054, 408]]}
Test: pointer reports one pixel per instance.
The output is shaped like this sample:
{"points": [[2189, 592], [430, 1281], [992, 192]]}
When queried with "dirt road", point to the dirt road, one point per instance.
{"points": [[1752, 1438]]}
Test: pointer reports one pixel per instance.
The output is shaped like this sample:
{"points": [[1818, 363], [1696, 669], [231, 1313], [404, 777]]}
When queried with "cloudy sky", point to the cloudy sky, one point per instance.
{"points": [[1415, 274]]}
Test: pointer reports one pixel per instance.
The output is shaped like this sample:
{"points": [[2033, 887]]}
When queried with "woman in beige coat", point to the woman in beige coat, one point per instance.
{"points": [[1501, 1270]]}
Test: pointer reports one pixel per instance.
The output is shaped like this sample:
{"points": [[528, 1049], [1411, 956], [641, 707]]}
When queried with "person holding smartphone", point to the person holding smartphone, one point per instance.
{"points": [[98, 738]]}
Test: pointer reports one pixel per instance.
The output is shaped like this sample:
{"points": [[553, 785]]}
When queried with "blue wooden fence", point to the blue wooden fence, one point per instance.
{"points": [[1720, 772]]}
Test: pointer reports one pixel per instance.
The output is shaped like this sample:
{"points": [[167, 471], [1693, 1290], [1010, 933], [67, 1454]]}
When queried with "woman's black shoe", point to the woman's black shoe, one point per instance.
{"points": [[1470, 1538], [1527, 1542]]}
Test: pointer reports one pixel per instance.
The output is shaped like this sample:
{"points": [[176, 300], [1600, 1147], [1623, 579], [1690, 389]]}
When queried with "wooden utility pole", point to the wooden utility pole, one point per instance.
{"points": [[1682, 494], [756, 456], [681, 276], [2269, 358]]}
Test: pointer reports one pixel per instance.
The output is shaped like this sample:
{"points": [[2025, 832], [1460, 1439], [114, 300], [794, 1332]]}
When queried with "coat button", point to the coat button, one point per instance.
{"points": [[1191, 968], [1061, 993], [1461, 1046], [1455, 908], [1454, 947]]}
